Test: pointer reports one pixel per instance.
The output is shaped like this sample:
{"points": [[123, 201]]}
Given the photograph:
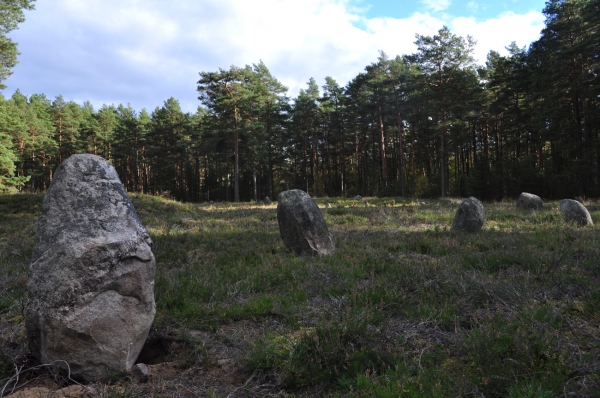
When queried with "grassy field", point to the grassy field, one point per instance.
{"points": [[404, 308]]}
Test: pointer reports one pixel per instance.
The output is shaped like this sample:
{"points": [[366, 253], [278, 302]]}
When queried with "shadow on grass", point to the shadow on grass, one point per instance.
{"points": [[404, 306]]}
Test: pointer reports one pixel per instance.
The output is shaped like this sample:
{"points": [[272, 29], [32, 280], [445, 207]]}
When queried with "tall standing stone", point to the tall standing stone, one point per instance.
{"points": [[301, 224], [469, 216], [529, 201], [574, 212], [91, 279]]}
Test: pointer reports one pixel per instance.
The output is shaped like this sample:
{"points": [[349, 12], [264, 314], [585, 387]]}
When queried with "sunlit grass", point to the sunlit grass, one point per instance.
{"points": [[404, 307]]}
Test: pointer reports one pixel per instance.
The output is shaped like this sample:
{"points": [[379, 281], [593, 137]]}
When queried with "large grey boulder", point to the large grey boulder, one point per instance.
{"points": [[469, 216], [301, 224], [529, 201], [91, 279], [574, 212]]}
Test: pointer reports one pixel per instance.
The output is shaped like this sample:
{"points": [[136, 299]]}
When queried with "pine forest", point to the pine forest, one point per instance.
{"points": [[429, 124]]}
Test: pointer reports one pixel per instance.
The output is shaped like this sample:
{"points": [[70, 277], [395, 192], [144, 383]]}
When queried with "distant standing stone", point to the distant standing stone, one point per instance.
{"points": [[301, 224], [91, 279], [469, 216], [267, 201], [358, 197], [328, 205], [529, 201], [573, 211]]}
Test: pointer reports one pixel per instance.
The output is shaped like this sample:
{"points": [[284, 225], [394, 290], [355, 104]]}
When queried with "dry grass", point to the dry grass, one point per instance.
{"points": [[404, 308]]}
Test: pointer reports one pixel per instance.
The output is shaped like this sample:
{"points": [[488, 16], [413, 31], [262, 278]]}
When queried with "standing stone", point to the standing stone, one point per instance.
{"points": [[529, 201], [301, 224], [91, 279], [573, 211], [469, 216], [267, 201], [358, 197]]}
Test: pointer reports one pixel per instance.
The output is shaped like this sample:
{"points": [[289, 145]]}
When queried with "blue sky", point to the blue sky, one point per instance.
{"points": [[481, 10], [144, 51]]}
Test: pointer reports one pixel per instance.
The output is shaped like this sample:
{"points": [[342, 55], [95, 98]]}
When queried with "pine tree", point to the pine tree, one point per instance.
{"points": [[106, 123], [304, 138], [271, 111], [226, 93], [334, 114], [11, 121], [167, 150], [442, 57], [34, 143], [11, 15], [66, 118]]}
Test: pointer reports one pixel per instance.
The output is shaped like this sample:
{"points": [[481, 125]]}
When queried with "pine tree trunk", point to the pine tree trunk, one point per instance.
{"points": [[384, 176], [236, 171], [254, 184], [270, 171]]}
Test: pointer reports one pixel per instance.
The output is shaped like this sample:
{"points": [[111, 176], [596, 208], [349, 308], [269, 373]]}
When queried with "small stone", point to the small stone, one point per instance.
{"points": [[366, 203], [139, 369], [328, 205], [574, 212], [267, 200], [469, 216], [529, 201], [358, 197], [302, 226]]}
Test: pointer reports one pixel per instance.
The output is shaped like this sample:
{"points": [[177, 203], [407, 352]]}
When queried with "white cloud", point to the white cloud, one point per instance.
{"points": [[145, 51], [472, 5], [436, 5], [497, 33]]}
